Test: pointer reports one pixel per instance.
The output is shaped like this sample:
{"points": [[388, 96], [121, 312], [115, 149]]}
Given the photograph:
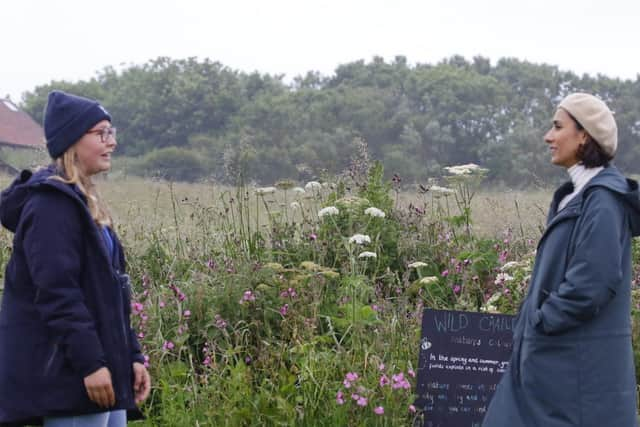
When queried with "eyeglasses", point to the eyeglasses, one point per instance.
{"points": [[105, 133]]}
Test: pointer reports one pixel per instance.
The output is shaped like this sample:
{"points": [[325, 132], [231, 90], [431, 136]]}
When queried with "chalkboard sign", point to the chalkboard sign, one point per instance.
{"points": [[462, 358]]}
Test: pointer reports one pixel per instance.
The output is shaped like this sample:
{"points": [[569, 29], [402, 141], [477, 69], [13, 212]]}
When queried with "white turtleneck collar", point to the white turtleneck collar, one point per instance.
{"points": [[580, 176]]}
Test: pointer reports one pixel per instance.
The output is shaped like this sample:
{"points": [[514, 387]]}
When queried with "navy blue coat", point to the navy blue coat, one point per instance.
{"points": [[65, 307], [572, 361]]}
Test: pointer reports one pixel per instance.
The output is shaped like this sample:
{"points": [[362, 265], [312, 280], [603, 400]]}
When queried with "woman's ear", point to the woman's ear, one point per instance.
{"points": [[584, 137]]}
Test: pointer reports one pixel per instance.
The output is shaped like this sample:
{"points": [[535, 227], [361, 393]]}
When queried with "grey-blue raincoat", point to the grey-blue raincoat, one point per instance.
{"points": [[572, 361]]}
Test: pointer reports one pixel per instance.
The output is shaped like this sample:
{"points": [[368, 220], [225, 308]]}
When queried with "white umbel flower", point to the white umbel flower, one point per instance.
{"points": [[313, 185], [509, 265], [298, 190], [436, 189], [428, 280], [265, 190], [328, 211], [417, 264], [503, 278], [360, 239], [374, 212], [467, 169], [367, 254]]}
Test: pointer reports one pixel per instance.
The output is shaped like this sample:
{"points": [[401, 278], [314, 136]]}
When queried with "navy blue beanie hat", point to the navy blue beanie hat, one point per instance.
{"points": [[67, 117]]}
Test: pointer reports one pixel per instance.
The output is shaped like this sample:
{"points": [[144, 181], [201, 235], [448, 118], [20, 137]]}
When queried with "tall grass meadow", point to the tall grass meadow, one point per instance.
{"points": [[299, 304]]}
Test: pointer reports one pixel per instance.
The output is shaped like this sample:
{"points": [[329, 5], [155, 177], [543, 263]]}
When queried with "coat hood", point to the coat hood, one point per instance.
{"points": [[611, 178], [14, 197]]}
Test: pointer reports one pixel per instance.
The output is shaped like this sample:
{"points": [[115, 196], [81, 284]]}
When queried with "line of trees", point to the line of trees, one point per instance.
{"points": [[191, 119]]}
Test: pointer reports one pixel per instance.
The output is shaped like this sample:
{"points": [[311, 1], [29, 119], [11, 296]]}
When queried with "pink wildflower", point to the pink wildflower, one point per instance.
{"points": [[284, 309], [379, 410], [168, 345], [412, 409], [247, 296], [362, 401], [411, 373], [220, 322], [187, 313], [340, 398], [206, 361], [445, 273], [456, 289], [384, 380], [137, 307], [161, 304], [399, 381], [351, 376]]}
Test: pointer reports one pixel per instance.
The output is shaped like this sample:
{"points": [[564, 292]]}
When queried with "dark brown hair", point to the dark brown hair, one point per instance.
{"points": [[590, 153]]}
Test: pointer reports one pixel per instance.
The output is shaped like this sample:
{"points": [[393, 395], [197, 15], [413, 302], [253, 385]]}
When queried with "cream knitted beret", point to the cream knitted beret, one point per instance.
{"points": [[595, 117]]}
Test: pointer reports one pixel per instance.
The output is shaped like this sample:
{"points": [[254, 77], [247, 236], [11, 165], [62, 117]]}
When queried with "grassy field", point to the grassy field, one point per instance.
{"points": [[259, 306]]}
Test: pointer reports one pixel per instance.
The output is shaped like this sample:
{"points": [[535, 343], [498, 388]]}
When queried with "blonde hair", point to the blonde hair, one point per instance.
{"points": [[67, 164]]}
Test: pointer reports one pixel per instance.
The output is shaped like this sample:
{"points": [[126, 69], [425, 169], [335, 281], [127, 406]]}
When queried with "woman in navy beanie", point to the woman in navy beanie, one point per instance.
{"points": [[68, 356]]}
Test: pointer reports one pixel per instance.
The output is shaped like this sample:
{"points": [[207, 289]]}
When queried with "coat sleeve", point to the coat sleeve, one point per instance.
{"points": [[594, 271], [53, 247], [136, 350]]}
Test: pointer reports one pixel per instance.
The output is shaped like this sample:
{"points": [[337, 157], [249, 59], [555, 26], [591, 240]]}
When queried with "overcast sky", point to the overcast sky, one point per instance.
{"points": [[43, 40]]}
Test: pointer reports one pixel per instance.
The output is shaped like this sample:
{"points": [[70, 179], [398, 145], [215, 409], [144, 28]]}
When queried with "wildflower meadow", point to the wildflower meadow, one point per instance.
{"points": [[299, 304]]}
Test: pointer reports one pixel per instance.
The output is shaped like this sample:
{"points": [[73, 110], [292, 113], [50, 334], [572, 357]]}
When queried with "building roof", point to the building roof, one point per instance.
{"points": [[17, 128]]}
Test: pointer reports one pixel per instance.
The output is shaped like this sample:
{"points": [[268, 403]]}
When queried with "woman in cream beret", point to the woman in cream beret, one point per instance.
{"points": [[572, 361]]}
